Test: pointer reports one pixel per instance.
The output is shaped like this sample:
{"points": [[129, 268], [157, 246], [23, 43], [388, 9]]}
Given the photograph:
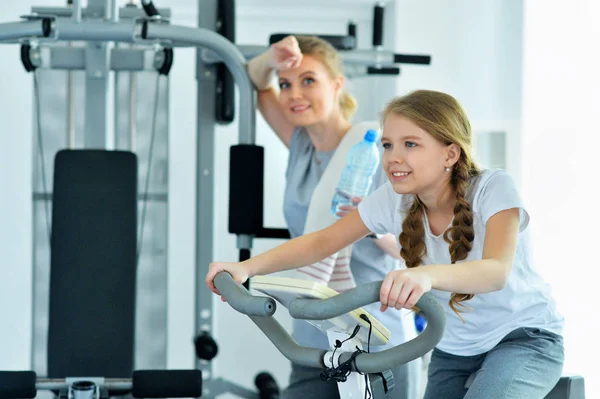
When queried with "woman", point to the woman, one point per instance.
{"points": [[311, 113]]}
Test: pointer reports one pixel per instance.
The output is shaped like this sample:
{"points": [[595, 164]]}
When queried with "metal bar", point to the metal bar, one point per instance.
{"points": [[121, 59], [150, 197], [114, 11], [233, 59], [205, 182], [368, 57], [124, 12], [98, 8], [67, 58], [70, 109], [124, 59], [352, 57], [204, 311], [305, 356], [95, 112], [66, 29], [132, 111], [116, 113], [96, 95], [77, 11], [58, 384], [18, 30], [76, 5], [244, 241], [249, 52]]}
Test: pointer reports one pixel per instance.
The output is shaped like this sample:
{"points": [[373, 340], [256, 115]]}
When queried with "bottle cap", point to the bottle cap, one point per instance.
{"points": [[371, 136]]}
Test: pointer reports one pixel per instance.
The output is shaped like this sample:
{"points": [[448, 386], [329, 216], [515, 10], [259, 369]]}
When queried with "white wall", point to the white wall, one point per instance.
{"points": [[561, 137], [476, 49]]}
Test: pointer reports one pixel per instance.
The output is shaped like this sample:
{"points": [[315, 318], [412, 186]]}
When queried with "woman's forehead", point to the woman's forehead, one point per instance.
{"points": [[309, 65]]}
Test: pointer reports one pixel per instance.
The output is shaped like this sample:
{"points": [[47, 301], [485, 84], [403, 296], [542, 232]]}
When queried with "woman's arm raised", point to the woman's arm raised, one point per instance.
{"points": [[284, 54]]}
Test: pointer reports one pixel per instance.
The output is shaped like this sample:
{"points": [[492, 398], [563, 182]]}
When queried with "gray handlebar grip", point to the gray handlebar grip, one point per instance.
{"points": [[323, 309], [302, 355], [241, 300], [413, 349]]}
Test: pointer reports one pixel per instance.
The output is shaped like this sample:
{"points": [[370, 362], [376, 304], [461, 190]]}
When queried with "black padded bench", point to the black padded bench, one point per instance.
{"points": [[93, 264]]}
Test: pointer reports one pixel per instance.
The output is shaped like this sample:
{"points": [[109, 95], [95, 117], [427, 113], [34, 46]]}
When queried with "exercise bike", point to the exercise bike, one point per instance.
{"points": [[349, 329]]}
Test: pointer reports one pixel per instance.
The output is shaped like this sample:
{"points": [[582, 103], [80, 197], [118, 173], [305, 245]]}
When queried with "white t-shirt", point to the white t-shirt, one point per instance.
{"points": [[525, 301]]}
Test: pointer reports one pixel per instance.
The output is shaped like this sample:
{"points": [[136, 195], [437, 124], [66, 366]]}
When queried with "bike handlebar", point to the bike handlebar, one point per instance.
{"points": [[321, 309]]}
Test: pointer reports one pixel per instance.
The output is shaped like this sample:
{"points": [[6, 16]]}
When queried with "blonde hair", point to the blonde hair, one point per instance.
{"points": [[442, 116], [324, 52]]}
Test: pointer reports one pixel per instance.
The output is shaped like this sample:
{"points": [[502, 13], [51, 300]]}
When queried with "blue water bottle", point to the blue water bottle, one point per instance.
{"points": [[357, 176]]}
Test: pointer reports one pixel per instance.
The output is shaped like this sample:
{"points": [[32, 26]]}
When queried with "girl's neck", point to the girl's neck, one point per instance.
{"points": [[439, 202]]}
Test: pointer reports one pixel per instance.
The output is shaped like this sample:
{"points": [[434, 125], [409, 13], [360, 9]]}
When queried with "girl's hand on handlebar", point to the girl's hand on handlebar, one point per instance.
{"points": [[237, 271], [403, 288], [285, 54]]}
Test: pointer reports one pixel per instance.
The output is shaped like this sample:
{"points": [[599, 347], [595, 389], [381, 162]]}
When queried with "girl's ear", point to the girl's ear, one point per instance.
{"points": [[452, 154]]}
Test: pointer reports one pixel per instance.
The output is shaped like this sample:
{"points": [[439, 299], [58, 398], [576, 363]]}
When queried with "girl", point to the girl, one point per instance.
{"points": [[462, 232]]}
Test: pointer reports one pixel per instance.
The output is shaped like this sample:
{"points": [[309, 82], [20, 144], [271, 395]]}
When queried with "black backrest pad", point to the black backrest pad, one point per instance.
{"points": [[246, 189], [93, 264]]}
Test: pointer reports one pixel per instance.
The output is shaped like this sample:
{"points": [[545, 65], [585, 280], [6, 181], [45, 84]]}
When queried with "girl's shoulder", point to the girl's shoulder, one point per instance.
{"points": [[489, 182]]}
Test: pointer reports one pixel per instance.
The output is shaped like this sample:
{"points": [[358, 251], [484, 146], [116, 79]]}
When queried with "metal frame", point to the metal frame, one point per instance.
{"points": [[204, 307], [207, 83], [47, 55], [67, 25]]}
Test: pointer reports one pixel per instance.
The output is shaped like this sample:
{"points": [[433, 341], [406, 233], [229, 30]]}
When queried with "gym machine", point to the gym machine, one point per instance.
{"points": [[348, 328], [51, 38]]}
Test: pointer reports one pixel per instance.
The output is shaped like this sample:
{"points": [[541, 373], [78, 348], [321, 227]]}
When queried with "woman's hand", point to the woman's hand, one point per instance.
{"points": [[237, 271], [285, 54], [403, 288], [343, 210]]}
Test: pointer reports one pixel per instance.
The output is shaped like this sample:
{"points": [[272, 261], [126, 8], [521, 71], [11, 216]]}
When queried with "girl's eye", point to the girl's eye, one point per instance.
{"points": [[308, 81], [387, 146], [410, 144], [284, 85]]}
